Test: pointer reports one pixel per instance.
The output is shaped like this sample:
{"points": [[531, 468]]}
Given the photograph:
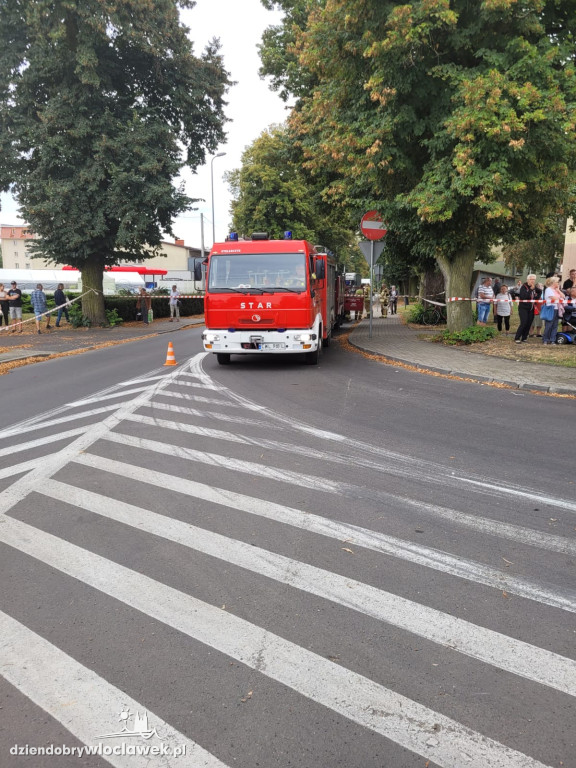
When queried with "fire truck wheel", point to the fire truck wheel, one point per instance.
{"points": [[313, 358], [223, 359], [326, 341]]}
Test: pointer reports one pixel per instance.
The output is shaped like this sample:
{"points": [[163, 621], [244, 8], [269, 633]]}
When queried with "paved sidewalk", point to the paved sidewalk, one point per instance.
{"points": [[58, 341], [396, 341]]}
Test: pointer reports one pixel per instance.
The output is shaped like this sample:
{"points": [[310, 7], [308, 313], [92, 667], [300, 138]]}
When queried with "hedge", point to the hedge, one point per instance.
{"points": [[126, 306]]}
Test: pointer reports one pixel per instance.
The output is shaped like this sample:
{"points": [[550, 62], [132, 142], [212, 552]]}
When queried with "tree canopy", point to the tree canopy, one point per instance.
{"points": [[101, 103], [455, 119], [273, 192]]}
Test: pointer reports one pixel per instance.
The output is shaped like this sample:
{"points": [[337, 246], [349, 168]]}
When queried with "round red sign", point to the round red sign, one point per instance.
{"points": [[372, 226]]}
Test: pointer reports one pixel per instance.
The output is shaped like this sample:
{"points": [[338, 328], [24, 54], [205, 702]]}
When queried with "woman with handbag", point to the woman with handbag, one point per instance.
{"points": [[527, 295], [552, 309]]}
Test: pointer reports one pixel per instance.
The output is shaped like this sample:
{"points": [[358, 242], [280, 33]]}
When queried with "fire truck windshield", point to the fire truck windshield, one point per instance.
{"points": [[257, 271]]}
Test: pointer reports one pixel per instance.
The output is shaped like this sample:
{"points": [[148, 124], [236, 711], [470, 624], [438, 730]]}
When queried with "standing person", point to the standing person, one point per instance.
{"points": [[570, 282], [484, 302], [503, 308], [4, 306], [393, 298], [515, 292], [527, 295], [38, 300], [60, 300], [143, 304], [553, 297], [174, 304], [15, 299], [569, 310], [496, 288], [536, 329]]}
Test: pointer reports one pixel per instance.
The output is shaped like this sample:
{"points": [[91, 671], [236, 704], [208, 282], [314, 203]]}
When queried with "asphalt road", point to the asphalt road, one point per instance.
{"points": [[271, 564]]}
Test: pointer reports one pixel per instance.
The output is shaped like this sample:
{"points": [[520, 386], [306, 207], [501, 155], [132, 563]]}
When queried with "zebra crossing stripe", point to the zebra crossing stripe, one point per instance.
{"points": [[351, 695], [203, 413], [491, 647], [82, 701], [53, 462], [491, 527], [19, 447], [404, 466], [198, 399], [380, 542], [61, 420]]}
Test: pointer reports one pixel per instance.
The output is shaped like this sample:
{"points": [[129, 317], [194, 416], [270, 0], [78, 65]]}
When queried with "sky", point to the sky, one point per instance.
{"points": [[252, 107]]}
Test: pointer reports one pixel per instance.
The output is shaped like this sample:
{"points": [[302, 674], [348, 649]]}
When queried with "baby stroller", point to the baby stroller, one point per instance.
{"points": [[569, 319]]}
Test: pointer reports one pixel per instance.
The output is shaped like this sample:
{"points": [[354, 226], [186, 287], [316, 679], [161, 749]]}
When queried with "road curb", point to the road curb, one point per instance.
{"points": [[472, 378]]}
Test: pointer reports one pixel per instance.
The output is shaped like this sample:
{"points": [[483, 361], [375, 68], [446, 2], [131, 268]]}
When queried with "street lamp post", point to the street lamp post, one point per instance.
{"points": [[220, 154]]}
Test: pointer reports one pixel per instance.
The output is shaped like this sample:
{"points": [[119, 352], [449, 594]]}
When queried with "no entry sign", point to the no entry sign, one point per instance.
{"points": [[372, 226]]}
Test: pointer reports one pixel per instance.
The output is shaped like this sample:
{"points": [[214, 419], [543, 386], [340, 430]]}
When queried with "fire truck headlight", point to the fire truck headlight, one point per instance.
{"points": [[303, 337], [210, 338]]}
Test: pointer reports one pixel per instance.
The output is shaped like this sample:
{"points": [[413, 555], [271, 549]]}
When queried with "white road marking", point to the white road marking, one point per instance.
{"points": [[493, 648], [199, 399], [60, 420], [197, 384], [347, 693], [203, 413], [180, 426], [52, 463], [488, 526], [16, 469], [30, 444], [85, 703], [373, 540], [407, 466]]}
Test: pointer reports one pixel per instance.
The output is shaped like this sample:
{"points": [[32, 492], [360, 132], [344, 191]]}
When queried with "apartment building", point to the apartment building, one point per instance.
{"points": [[14, 241], [175, 256]]}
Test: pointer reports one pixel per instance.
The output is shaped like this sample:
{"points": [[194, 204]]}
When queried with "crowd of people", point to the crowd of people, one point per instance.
{"points": [[538, 305], [11, 306]]}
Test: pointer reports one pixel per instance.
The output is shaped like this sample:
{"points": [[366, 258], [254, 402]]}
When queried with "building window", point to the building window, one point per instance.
{"points": [[27, 266], [16, 265]]}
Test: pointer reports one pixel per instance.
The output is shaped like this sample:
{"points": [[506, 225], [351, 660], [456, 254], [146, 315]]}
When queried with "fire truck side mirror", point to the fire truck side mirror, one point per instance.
{"points": [[197, 270], [319, 269]]}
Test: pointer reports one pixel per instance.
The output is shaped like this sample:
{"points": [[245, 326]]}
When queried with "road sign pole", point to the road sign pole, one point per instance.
{"points": [[371, 288]]}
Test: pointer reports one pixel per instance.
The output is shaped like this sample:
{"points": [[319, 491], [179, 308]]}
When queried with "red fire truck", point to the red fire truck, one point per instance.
{"points": [[269, 297]]}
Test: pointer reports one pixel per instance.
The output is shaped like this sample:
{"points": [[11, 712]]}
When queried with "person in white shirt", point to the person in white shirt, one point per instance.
{"points": [[503, 308], [174, 304]]}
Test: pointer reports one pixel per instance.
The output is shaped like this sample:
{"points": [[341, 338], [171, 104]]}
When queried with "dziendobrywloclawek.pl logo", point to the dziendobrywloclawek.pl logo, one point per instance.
{"points": [[134, 728]]}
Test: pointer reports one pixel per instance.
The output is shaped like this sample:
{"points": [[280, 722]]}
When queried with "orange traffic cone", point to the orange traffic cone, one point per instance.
{"points": [[170, 358]]}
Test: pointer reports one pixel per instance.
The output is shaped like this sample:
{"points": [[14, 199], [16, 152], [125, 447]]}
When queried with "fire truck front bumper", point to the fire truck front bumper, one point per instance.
{"points": [[260, 342]]}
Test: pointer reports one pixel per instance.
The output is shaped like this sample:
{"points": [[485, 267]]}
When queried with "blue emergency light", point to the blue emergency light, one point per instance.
{"points": [[288, 235], [233, 237]]}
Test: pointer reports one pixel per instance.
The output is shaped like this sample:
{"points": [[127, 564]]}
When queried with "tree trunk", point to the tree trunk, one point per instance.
{"points": [[93, 303], [457, 275]]}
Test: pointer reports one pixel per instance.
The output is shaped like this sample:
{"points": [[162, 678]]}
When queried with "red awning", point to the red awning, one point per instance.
{"points": [[139, 269]]}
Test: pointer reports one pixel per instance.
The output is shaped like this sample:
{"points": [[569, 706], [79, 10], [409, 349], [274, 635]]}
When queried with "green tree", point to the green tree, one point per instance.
{"points": [[278, 51], [273, 192], [455, 119], [539, 254], [101, 103]]}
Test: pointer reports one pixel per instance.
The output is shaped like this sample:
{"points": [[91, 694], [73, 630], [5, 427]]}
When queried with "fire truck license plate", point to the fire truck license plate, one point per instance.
{"points": [[273, 345]]}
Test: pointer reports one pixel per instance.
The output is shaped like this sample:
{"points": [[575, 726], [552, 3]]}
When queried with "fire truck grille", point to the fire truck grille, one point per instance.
{"points": [[249, 321]]}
